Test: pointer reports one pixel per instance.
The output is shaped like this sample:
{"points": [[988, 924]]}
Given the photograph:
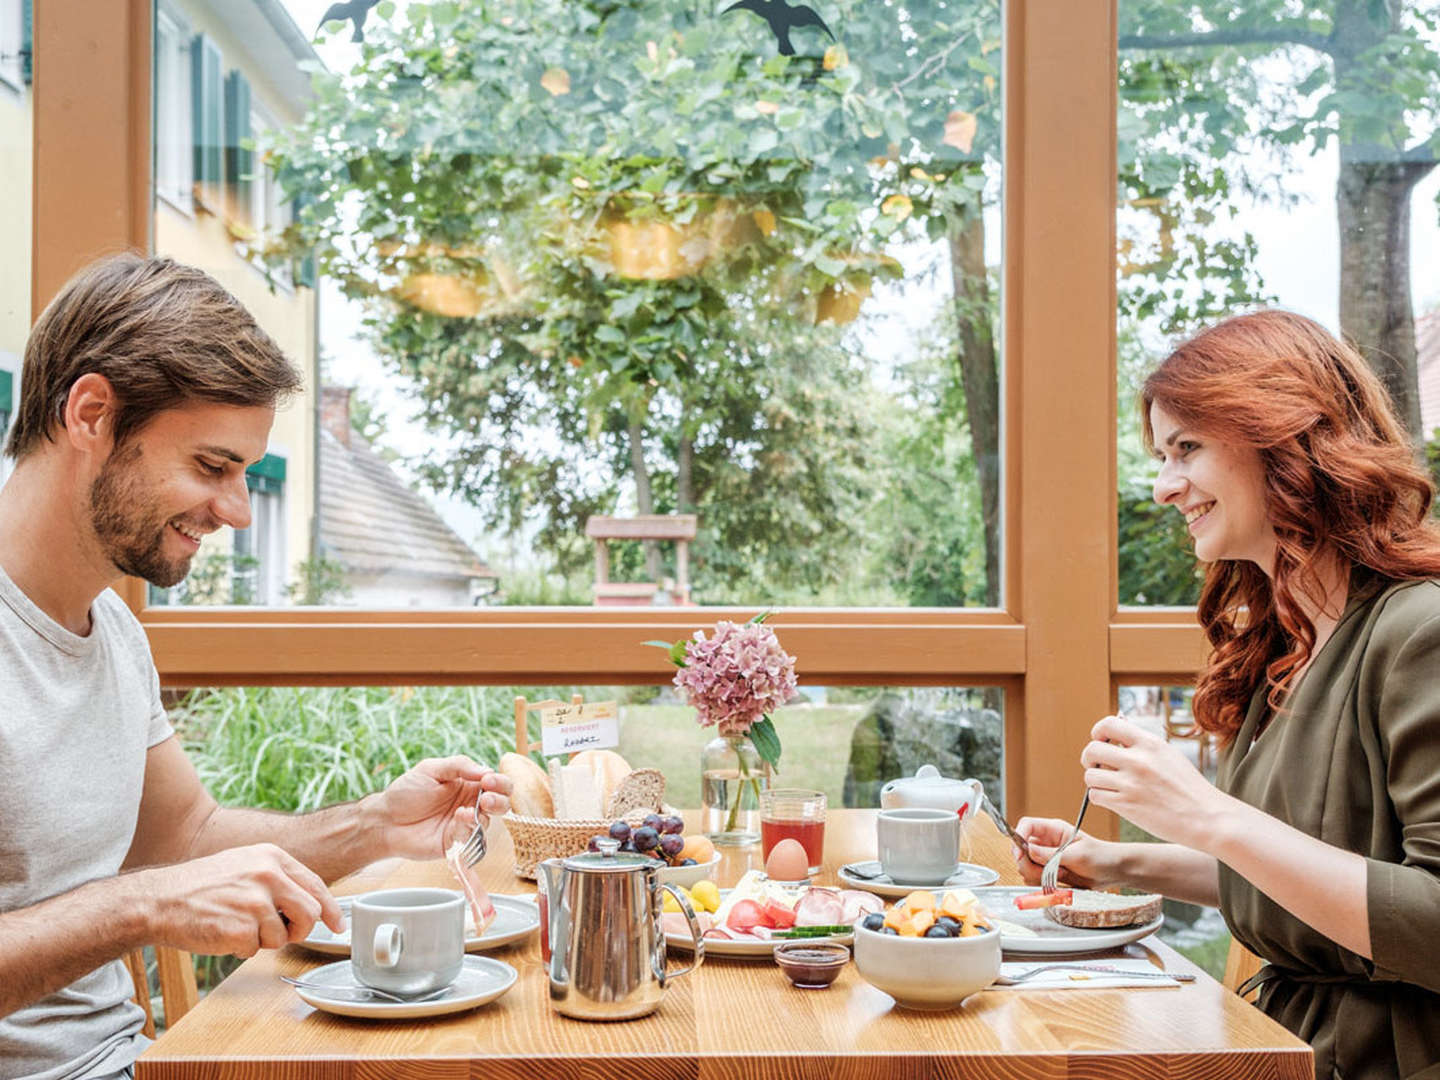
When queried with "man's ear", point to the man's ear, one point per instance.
{"points": [[90, 414]]}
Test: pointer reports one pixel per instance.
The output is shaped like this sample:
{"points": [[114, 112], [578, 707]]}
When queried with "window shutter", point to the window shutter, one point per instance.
{"points": [[209, 120], [27, 41], [239, 162]]}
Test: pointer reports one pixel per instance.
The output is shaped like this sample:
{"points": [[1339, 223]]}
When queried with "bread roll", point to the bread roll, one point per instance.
{"points": [[607, 767], [643, 789], [531, 795]]}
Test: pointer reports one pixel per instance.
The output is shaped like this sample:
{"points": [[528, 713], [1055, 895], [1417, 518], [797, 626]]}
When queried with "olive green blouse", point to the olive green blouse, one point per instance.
{"points": [[1354, 759]]}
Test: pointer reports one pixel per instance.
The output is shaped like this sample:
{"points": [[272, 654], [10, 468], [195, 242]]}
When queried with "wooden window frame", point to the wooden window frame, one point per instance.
{"points": [[1059, 647]]}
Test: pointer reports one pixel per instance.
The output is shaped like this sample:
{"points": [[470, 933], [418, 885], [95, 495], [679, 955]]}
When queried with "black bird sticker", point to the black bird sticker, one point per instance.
{"points": [[782, 18], [355, 11]]}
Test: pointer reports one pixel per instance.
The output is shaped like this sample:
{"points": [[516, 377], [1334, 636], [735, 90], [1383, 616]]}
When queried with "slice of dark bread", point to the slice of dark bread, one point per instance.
{"points": [[1092, 910]]}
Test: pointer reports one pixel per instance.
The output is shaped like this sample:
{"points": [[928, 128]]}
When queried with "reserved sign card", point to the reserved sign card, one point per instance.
{"points": [[567, 729]]}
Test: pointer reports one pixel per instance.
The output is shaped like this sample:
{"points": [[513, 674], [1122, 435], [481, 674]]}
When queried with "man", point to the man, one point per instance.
{"points": [[147, 389]]}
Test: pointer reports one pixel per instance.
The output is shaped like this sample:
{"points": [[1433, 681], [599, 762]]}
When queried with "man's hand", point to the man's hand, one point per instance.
{"points": [[423, 812], [237, 901]]}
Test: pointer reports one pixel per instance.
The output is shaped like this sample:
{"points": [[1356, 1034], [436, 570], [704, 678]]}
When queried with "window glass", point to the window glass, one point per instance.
{"points": [[15, 180], [1286, 159], [615, 303], [1195, 930]]}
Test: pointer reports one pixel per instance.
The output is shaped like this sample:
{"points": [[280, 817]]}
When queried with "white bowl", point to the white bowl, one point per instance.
{"points": [[689, 875], [927, 973]]}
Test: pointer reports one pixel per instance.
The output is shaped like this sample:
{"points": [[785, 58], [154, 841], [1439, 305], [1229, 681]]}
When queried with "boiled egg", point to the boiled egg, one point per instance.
{"points": [[787, 861]]}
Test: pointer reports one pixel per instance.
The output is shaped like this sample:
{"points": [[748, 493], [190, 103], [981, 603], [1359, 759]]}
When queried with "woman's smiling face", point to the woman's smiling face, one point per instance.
{"points": [[1219, 488]]}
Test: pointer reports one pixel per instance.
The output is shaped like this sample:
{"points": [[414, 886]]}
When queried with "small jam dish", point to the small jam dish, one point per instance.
{"points": [[811, 965]]}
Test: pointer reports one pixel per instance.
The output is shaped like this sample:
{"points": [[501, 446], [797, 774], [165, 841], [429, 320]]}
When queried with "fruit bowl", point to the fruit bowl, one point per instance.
{"points": [[925, 972], [689, 875]]}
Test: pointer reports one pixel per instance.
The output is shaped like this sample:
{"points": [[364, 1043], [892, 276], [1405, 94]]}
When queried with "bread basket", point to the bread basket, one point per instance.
{"points": [[536, 839]]}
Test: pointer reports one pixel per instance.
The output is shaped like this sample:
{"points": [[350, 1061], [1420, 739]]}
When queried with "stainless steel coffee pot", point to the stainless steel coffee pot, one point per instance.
{"points": [[607, 948]]}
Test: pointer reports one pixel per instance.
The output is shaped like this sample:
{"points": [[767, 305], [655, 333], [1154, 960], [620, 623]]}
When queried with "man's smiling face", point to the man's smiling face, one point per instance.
{"points": [[182, 476]]}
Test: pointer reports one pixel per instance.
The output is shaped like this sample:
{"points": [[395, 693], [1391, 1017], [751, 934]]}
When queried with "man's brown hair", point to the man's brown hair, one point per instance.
{"points": [[164, 334]]}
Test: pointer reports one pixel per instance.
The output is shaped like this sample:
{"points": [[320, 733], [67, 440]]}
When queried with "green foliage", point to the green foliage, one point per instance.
{"points": [[1157, 562], [301, 749], [541, 588], [220, 578], [318, 581]]}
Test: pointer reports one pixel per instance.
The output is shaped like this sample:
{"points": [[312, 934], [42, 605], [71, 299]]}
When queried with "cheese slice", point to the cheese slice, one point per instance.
{"points": [[577, 795]]}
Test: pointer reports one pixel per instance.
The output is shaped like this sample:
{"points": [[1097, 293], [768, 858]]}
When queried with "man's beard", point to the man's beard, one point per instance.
{"points": [[130, 528]]}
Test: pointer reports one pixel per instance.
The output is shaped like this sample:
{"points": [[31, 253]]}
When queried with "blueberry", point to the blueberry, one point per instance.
{"points": [[890, 930], [688, 862], [936, 930], [952, 926], [620, 831], [873, 921]]}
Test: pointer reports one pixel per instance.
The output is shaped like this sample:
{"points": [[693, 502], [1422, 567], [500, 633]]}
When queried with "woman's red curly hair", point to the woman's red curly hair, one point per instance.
{"points": [[1340, 479]]}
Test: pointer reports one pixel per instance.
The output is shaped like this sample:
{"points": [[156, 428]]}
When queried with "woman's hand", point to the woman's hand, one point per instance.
{"points": [[1086, 863], [1148, 782]]}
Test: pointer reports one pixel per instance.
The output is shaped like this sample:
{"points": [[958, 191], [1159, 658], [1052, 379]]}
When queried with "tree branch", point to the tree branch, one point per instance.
{"points": [[1275, 35], [1422, 153]]}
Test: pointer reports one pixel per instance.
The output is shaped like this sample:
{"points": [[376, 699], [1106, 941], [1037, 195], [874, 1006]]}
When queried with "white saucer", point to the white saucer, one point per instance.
{"points": [[968, 876], [481, 979], [516, 917]]}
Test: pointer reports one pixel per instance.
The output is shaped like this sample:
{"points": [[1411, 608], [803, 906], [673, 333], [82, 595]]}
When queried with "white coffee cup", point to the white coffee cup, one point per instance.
{"points": [[407, 941], [918, 846]]}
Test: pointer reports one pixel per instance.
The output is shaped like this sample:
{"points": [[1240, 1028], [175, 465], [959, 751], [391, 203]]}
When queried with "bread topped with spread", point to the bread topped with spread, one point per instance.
{"points": [[1093, 910]]}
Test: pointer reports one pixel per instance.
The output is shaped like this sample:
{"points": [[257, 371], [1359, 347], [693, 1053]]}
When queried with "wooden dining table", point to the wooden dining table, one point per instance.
{"points": [[733, 1017]]}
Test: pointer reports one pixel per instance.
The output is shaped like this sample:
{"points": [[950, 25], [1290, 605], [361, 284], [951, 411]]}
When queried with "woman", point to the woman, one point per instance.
{"points": [[1320, 842]]}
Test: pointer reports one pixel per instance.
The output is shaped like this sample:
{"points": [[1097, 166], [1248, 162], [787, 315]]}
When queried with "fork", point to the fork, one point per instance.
{"points": [[1050, 875], [475, 847], [1178, 976]]}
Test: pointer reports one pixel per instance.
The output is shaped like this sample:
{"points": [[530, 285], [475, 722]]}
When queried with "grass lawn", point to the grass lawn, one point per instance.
{"points": [[814, 740]]}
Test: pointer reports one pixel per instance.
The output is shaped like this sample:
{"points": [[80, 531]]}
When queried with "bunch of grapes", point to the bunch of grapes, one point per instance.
{"points": [[659, 836]]}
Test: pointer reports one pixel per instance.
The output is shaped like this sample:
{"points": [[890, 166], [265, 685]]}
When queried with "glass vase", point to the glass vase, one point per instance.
{"points": [[732, 776]]}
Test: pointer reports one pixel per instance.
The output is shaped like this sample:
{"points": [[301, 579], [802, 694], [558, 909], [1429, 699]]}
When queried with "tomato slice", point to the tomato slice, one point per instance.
{"points": [[1041, 900], [745, 915], [777, 916]]}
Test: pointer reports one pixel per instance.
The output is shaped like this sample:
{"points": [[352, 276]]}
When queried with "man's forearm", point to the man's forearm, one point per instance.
{"points": [[332, 842], [53, 943]]}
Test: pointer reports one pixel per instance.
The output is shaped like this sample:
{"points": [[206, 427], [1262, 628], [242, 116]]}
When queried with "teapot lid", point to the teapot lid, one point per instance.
{"points": [[927, 776], [610, 859]]}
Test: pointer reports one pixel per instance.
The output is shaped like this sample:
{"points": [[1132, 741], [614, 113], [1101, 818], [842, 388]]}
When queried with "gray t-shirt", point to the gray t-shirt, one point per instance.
{"points": [[77, 715]]}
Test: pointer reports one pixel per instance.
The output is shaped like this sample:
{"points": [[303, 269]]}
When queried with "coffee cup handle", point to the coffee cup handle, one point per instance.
{"points": [[389, 942]]}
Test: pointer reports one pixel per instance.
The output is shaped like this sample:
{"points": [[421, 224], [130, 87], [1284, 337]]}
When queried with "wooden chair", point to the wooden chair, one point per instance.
{"points": [[1240, 964], [178, 992]]}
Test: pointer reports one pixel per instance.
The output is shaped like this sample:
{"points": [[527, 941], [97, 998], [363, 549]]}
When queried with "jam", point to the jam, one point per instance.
{"points": [[811, 965]]}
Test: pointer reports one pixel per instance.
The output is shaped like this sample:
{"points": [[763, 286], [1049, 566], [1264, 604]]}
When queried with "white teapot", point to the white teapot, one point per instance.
{"points": [[928, 789]]}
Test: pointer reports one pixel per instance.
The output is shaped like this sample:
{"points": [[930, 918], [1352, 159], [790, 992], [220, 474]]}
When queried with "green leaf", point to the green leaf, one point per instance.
{"points": [[760, 616], [767, 742], [677, 653]]}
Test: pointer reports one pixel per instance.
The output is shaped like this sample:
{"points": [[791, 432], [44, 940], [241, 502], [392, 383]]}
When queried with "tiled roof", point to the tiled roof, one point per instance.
{"points": [[373, 523], [1427, 347]]}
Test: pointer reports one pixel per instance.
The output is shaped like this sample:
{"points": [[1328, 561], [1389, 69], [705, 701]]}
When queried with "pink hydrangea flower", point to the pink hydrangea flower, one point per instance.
{"points": [[736, 676]]}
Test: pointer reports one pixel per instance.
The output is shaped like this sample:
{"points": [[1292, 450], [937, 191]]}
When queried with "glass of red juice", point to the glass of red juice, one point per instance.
{"points": [[795, 814]]}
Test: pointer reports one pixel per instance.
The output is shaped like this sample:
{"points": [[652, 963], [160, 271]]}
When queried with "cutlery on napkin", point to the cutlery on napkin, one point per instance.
{"points": [[1092, 975]]}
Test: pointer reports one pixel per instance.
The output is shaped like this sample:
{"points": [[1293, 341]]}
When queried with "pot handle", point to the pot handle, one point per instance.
{"points": [[665, 974]]}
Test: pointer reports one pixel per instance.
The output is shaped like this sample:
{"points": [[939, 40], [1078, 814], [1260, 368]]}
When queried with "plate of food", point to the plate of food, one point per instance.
{"points": [[516, 918], [758, 914], [1069, 920]]}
